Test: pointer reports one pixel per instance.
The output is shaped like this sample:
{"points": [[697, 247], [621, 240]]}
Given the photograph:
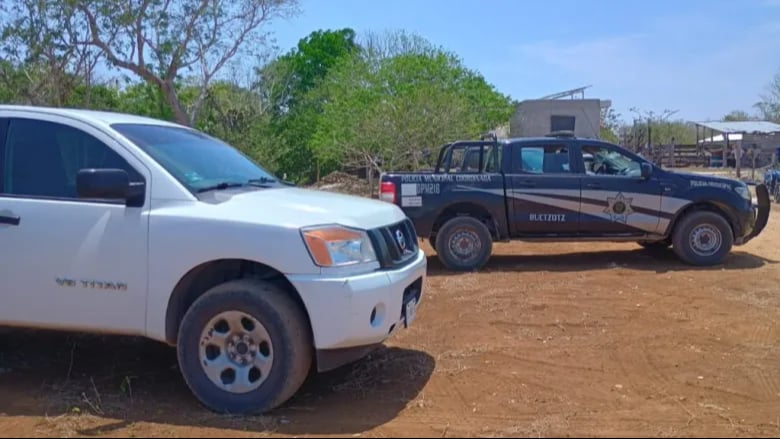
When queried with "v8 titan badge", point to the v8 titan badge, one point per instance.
{"points": [[619, 208]]}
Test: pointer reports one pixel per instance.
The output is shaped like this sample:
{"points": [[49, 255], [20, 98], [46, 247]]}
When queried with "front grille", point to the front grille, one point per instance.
{"points": [[396, 245]]}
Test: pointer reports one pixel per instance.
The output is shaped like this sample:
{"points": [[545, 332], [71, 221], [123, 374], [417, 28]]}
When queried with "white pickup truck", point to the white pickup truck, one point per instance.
{"points": [[119, 224]]}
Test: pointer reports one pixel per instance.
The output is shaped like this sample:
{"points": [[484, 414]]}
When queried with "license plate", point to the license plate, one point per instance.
{"points": [[411, 311]]}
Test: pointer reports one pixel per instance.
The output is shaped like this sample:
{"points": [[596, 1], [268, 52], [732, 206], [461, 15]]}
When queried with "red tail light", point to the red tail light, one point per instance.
{"points": [[387, 191]]}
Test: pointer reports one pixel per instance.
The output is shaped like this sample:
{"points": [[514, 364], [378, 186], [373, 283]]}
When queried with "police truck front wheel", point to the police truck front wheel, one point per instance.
{"points": [[464, 244], [703, 238]]}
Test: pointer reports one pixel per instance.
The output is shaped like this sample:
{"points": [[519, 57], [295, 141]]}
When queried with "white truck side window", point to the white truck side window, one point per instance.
{"points": [[42, 158], [89, 255]]}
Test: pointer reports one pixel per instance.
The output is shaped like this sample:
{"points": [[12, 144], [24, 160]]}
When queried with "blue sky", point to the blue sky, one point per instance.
{"points": [[702, 58]]}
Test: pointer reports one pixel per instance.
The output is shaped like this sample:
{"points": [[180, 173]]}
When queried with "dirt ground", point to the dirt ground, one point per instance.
{"points": [[550, 339]]}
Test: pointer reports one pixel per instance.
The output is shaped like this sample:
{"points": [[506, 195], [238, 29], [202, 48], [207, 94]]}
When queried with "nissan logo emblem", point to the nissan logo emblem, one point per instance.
{"points": [[399, 238]]}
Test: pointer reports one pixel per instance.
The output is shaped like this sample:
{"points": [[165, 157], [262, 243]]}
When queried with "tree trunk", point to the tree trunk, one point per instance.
{"points": [[199, 104], [370, 181], [173, 100], [88, 91]]}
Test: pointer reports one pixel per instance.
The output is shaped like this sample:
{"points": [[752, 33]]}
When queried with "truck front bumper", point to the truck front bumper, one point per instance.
{"points": [[352, 315], [760, 214]]}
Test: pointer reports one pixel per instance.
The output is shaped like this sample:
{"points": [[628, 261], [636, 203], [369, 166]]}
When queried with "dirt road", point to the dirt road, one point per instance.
{"points": [[587, 339]]}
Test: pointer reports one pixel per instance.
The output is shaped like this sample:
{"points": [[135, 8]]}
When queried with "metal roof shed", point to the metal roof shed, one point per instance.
{"points": [[739, 132], [746, 127]]}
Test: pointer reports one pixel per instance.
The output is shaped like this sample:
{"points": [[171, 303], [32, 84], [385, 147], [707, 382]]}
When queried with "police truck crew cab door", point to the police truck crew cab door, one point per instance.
{"points": [[616, 199], [65, 262], [543, 189]]}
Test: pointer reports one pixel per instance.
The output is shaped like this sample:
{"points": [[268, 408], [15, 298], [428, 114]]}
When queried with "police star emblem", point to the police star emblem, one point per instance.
{"points": [[619, 208]]}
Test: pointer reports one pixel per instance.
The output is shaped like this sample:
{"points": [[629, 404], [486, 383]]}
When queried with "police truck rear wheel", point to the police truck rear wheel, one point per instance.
{"points": [[432, 242], [464, 243], [703, 238]]}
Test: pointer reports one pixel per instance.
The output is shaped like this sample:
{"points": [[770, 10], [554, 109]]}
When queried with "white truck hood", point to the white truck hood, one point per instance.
{"points": [[296, 207]]}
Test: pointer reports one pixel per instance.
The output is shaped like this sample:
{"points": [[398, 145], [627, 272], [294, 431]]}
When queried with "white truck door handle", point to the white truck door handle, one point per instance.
{"points": [[10, 220]]}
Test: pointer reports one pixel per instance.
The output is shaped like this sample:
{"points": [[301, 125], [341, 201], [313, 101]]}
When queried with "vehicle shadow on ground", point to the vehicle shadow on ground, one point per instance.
{"points": [[659, 261], [124, 381]]}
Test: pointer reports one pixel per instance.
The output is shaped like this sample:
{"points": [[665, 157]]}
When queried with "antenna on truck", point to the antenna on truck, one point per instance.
{"points": [[489, 136]]}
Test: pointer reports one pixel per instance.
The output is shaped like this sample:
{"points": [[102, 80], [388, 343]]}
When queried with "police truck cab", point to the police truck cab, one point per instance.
{"points": [[563, 188]]}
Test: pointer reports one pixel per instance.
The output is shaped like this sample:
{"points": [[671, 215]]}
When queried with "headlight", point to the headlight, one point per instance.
{"points": [[744, 192], [336, 246]]}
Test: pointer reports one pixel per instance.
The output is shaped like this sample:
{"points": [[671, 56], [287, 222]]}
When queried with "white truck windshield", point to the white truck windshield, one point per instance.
{"points": [[198, 161]]}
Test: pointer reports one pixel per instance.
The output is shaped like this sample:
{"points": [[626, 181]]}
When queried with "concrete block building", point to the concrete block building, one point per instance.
{"points": [[539, 117]]}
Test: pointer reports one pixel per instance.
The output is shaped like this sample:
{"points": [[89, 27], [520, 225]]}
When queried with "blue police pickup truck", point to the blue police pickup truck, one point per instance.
{"points": [[563, 188]]}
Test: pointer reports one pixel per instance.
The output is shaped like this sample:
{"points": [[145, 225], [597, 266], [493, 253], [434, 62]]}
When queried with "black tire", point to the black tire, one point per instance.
{"points": [[655, 245], [432, 242], [471, 231], [285, 324], [713, 226]]}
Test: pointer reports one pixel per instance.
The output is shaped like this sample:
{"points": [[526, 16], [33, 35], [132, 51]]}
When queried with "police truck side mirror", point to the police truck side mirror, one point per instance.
{"points": [[647, 170]]}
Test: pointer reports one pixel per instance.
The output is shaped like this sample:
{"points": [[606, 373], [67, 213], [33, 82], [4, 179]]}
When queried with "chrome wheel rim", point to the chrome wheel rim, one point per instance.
{"points": [[706, 240], [465, 244], [236, 352]]}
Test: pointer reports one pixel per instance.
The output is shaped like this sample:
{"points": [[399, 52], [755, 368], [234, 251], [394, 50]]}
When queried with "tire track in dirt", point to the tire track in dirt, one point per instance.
{"points": [[762, 335], [767, 384]]}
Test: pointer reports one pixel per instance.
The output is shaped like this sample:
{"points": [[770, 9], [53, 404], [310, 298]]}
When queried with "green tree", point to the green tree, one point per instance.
{"points": [[737, 116], [389, 103], [307, 64], [159, 40], [95, 96], [286, 83], [145, 99], [660, 129], [42, 59], [610, 124], [238, 116]]}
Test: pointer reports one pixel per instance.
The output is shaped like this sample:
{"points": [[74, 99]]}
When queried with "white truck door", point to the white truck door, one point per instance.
{"points": [[67, 263]]}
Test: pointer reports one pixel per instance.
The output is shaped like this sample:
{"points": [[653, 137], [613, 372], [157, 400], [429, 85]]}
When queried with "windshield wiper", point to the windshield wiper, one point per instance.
{"points": [[262, 181], [257, 182], [220, 187]]}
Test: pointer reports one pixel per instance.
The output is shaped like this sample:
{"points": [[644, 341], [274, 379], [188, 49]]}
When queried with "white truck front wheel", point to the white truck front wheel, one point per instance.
{"points": [[236, 352], [244, 347]]}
